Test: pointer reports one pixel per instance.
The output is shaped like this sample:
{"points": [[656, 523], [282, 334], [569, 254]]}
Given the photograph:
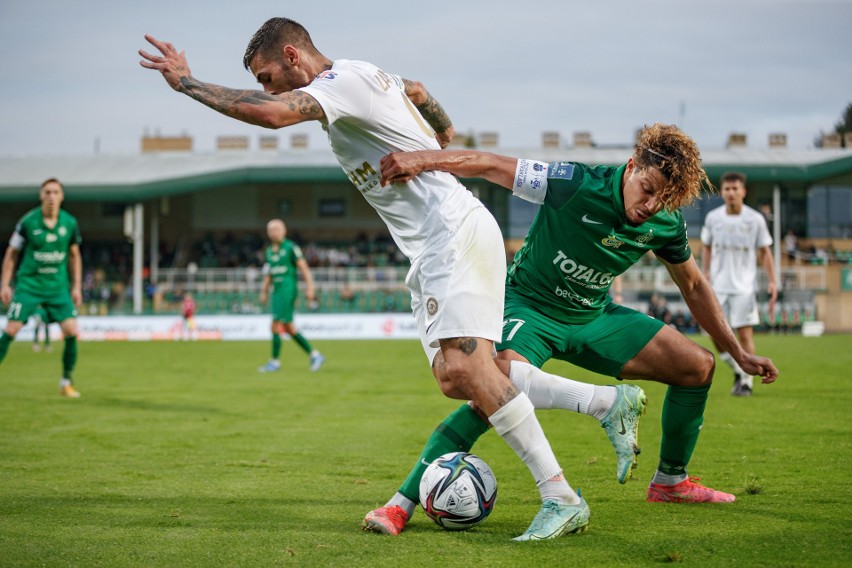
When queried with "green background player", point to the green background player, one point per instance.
{"points": [[593, 224], [47, 241], [282, 258]]}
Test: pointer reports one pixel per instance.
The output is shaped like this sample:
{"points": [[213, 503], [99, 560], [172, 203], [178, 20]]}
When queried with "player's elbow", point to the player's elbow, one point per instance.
{"points": [[417, 92]]}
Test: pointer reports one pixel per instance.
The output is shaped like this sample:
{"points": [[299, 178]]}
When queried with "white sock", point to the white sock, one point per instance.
{"points": [[401, 500], [729, 361], [548, 391], [517, 424], [64, 383]]}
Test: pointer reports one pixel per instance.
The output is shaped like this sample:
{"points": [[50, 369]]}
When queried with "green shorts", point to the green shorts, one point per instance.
{"points": [[282, 307], [603, 345], [57, 307]]}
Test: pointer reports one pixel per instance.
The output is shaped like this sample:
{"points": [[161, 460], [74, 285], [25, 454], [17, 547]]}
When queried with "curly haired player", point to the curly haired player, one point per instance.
{"points": [[594, 223]]}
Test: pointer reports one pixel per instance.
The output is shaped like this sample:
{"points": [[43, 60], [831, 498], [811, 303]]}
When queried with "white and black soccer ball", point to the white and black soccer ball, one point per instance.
{"points": [[458, 491]]}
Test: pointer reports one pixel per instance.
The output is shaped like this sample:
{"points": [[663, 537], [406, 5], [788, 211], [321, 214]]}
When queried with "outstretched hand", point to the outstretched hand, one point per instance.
{"points": [[171, 64], [759, 367]]}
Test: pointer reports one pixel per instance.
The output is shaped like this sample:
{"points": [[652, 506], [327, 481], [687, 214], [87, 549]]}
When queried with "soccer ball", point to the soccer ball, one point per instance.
{"points": [[458, 491]]}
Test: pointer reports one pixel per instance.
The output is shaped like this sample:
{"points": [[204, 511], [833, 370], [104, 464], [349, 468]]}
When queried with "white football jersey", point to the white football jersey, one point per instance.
{"points": [[735, 240], [368, 116]]}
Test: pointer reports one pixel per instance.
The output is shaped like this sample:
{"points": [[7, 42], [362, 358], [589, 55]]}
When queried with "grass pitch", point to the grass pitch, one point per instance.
{"points": [[182, 454]]}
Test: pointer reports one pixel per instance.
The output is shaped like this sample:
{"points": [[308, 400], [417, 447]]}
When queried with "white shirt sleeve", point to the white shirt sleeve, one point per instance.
{"points": [[266, 269], [341, 94], [764, 239], [706, 233]]}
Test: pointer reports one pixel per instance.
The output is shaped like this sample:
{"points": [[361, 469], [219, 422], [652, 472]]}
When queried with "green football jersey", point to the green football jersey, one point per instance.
{"points": [[580, 240], [280, 265], [43, 268]]}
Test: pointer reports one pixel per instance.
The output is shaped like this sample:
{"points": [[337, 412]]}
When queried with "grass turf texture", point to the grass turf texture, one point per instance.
{"points": [[182, 454]]}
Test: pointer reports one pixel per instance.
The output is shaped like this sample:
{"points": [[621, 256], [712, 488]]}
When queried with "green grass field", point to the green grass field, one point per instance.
{"points": [[181, 454]]}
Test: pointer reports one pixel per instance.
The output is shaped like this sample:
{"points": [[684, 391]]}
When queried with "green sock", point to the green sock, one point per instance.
{"points": [[46, 336], [683, 414], [303, 343], [5, 341], [276, 345], [457, 433], [69, 357]]}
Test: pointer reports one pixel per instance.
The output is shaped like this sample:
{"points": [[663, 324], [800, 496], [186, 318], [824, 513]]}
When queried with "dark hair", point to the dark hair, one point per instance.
{"points": [[734, 176], [274, 34], [51, 180]]}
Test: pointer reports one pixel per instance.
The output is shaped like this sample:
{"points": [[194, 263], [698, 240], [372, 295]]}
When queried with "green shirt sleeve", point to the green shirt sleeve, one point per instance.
{"points": [[676, 250], [565, 179]]}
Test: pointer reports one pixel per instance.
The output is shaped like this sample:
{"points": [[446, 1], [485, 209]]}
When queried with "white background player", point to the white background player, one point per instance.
{"points": [[735, 237], [455, 246]]}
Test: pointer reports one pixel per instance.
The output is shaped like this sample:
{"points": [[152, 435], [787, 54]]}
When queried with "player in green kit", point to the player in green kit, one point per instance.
{"points": [[282, 258], [594, 223], [47, 241]]}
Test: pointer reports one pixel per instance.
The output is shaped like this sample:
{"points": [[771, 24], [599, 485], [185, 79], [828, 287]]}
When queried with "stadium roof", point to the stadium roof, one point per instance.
{"points": [[137, 177]]}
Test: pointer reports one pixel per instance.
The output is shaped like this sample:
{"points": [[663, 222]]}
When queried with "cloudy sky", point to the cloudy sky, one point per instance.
{"points": [[70, 81]]}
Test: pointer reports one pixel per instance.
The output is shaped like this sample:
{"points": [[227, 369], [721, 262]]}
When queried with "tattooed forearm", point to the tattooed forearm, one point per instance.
{"points": [[429, 107], [230, 102], [435, 115], [254, 107]]}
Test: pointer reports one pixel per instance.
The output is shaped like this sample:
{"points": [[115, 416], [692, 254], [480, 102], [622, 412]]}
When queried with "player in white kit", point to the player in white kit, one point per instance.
{"points": [[735, 237], [458, 263]]}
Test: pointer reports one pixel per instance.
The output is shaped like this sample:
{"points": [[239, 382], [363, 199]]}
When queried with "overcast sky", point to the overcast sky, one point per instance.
{"points": [[70, 80]]}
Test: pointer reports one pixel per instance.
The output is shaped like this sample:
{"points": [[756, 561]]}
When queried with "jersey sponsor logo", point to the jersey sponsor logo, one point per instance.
{"points": [[643, 240], [562, 170], [578, 273], [55, 256], [586, 219], [569, 295], [364, 178], [279, 270], [611, 241], [327, 75]]}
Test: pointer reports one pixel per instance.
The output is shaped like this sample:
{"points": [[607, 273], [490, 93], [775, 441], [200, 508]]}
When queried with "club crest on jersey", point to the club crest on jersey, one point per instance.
{"points": [[643, 240], [432, 306], [62, 231], [611, 241]]}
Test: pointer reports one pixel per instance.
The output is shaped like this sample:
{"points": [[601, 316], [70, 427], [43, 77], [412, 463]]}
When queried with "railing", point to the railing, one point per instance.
{"points": [[236, 290]]}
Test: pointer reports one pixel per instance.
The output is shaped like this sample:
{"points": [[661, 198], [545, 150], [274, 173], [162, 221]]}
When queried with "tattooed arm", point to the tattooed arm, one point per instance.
{"points": [[254, 107], [431, 110]]}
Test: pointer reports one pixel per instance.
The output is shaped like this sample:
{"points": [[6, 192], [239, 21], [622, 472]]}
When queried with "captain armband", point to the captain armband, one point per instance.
{"points": [[17, 241], [530, 181]]}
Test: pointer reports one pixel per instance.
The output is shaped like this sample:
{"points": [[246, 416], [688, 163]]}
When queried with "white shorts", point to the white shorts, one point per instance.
{"points": [[457, 287], [740, 309]]}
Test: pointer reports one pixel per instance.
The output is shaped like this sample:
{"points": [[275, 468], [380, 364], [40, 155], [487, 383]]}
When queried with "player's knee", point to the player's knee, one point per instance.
{"points": [[705, 366], [459, 373], [11, 329]]}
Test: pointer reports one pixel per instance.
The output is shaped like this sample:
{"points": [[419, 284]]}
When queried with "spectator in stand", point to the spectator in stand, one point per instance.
{"points": [[791, 245]]}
